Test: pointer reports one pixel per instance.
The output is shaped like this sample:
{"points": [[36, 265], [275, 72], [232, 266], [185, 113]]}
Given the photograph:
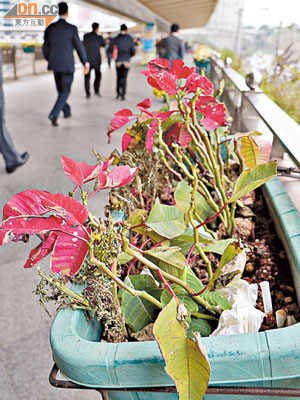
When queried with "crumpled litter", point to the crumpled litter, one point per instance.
{"points": [[243, 317]]}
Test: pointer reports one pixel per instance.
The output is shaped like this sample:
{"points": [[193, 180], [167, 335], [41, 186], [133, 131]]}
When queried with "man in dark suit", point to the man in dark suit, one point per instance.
{"points": [[125, 45], [92, 42], [60, 39], [172, 47]]}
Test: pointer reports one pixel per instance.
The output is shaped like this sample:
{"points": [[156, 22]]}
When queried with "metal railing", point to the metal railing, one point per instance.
{"points": [[253, 110], [22, 63]]}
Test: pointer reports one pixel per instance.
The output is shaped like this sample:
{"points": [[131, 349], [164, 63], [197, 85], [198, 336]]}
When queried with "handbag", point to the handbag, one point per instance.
{"points": [[115, 52]]}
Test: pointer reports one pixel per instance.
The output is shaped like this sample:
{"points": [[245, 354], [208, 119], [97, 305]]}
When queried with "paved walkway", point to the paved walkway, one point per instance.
{"points": [[25, 354]]}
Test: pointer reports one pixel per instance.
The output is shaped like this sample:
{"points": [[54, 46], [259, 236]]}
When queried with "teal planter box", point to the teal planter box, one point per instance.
{"points": [[264, 359], [203, 64]]}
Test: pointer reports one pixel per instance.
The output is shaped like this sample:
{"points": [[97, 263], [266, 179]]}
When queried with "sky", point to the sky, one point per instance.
{"points": [[271, 12]]}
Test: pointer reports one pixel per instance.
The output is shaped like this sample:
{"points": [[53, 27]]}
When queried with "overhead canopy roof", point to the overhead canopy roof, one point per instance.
{"points": [[187, 13]]}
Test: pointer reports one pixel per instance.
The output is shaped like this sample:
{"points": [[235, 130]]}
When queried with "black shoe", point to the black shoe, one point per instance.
{"points": [[68, 116], [25, 157], [88, 95], [123, 98], [98, 94], [117, 96], [53, 121]]}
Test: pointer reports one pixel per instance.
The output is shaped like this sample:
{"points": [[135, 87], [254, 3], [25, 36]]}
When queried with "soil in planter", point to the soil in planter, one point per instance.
{"points": [[267, 260]]}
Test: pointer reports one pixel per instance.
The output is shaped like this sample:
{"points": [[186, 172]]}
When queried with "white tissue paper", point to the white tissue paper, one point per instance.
{"points": [[243, 317]]}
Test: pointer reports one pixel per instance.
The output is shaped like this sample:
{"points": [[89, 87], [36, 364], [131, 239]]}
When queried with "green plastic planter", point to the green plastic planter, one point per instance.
{"points": [[266, 359], [205, 64]]}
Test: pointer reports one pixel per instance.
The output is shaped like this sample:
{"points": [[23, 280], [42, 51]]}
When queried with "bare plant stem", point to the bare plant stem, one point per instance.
{"points": [[120, 283], [204, 316], [191, 218], [238, 153], [167, 276], [216, 167]]}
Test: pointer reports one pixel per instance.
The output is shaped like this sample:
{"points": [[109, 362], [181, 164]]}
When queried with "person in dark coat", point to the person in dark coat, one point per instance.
{"points": [[12, 158], [172, 48], [126, 50], [92, 42], [60, 39], [108, 48]]}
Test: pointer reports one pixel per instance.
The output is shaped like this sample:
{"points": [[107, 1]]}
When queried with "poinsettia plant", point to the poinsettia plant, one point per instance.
{"points": [[136, 265]]}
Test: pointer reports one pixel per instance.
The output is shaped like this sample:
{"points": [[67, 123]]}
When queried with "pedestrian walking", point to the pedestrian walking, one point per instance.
{"points": [[12, 158], [172, 47], [108, 49], [60, 39], [124, 45], [93, 42]]}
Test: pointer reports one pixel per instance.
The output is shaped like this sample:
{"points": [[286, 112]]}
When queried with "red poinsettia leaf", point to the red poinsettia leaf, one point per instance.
{"points": [[159, 64], [27, 202], [209, 124], [166, 82], [145, 104], [163, 115], [4, 236], [120, 176], [36, 202], [152, 82], [93, 174], [204, 101], [41, 251], [124, 113], [216, 112], [179, 70], [19, 228], [177, 133], [126, 140], [150, 136], [146, 73], [65, 206], [72, 170], [116, 123], [102, 180], [107, 163], [69, 251], [79, 172], [195, 81]]}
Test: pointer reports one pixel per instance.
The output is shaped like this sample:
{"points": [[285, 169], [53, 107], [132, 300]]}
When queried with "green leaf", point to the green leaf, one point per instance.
{"points": [[171, 260], [139, 312], [186, 240], [183, 295], [139, 217], [186, 359], [230, 252], [183, 195], [124, 258], [252, 179], [216, 299], [218, 247], [193, 281], [199, 325], [167, 221], [253, 152], [213, 298]]}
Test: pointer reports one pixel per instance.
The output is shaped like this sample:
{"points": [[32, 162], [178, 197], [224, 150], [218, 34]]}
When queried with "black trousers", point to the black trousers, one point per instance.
{"points": [[63, 83], [96, 82], [122, 73]]}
